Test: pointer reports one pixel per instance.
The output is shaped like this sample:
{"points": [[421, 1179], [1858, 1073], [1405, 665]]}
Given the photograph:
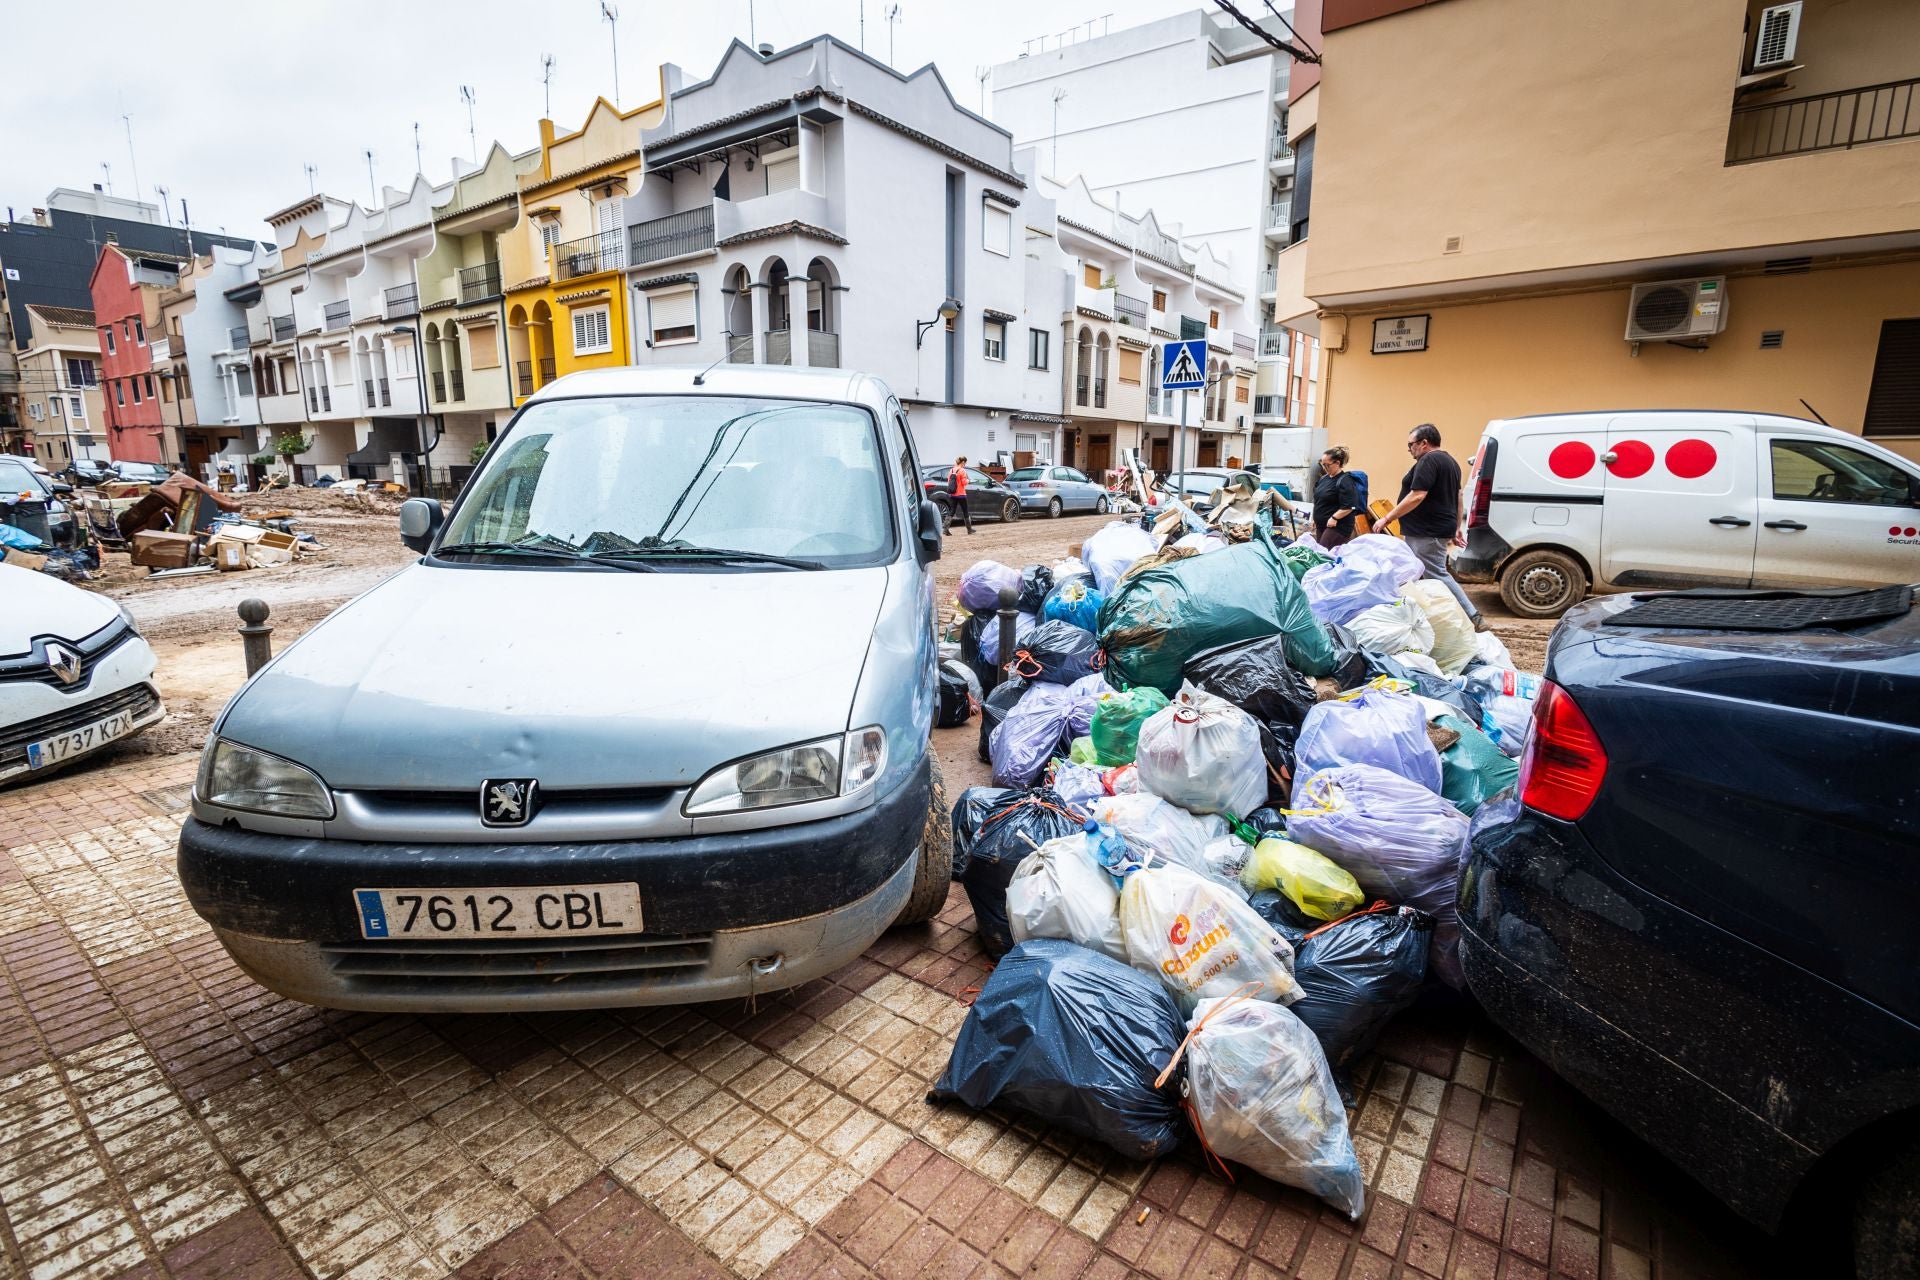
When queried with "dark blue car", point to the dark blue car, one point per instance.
{"points": [[1703, 913]]}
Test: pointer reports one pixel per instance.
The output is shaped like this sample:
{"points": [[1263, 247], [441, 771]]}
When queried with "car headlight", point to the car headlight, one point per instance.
{"points": [[818, 770], [237, 777]]}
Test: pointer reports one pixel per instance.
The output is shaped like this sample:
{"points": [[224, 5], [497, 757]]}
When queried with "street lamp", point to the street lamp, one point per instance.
{"points": [[426, 454], [948, 310]]}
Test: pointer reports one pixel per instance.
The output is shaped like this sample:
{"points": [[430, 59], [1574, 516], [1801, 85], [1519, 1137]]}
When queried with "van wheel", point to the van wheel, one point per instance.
{"points": [[934, 872], [1542, 584], [1886, 1218]]}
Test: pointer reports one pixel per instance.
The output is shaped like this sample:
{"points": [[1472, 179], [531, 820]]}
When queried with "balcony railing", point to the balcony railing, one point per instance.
{"points": [[1278, 149], [1825, 122], [1273, 341], [1080, 381], [479, 282], [237, 338], [546, 370], [523, 376], [386, 395], [1243, 346], [1268, 280], [457, 383], [403, 300], [1131, 311], [587, 255], [1280, 214], [367, 384], [337, 315], [440, 388], [688, 231], [823, 349], [313, 399], [1099, 393], [1153, 400], [740, 349], [779, 346], [283, 328]]}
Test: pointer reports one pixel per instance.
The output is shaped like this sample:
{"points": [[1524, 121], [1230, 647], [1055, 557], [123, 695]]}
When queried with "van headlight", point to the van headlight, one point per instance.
{"points": [[819, 770], [237, 777]]}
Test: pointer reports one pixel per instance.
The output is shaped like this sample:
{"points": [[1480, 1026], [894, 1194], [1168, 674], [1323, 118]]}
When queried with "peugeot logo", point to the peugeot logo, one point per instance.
{"points": [[507, 802], [65, 663]]}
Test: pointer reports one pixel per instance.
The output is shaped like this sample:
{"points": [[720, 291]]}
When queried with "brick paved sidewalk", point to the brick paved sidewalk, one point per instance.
{"points": [[160, 1115]]}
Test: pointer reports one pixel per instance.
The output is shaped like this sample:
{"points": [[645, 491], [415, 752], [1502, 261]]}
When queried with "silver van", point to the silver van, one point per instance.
{"points": [[647, 722]]}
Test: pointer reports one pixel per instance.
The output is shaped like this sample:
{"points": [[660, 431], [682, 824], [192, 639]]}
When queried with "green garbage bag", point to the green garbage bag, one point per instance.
{"points": [[1117, 718], [1081, 751], [1473, 770], [1153, 622], [1300, 559]]}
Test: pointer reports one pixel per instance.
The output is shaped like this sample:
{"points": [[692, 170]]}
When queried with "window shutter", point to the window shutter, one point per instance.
{"points": [[997, 229], [783, 175], [610, 217], [1893, 399], [671, 310], [590, 331]]}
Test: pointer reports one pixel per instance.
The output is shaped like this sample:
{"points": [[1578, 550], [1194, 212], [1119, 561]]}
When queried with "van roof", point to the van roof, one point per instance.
{"points": [[776, 381], [1759, 419]]}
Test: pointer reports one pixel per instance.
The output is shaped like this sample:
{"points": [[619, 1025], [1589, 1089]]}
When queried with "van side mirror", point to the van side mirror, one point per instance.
{"points": [[62, 489], [930, 536], [420, 520]]}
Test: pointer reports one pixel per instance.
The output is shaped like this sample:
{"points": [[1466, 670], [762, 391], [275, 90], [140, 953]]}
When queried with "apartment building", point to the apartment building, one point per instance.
{"points": [[1187, 117], [1712, 205], [814, 207], [126, 288], [58, 387], [203, 360]]}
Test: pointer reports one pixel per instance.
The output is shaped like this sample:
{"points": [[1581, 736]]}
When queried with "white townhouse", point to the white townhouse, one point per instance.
{"points": [[813, 206]]}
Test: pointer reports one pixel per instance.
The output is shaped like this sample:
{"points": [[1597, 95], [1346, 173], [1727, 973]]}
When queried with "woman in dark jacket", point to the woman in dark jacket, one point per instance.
{"points": [[1335, 498]]}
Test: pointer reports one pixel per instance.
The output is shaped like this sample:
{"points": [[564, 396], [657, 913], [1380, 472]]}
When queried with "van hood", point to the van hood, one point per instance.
{"points": [[443, 676]]}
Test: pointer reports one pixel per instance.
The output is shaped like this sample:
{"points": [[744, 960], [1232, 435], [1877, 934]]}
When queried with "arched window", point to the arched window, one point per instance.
{"points": [[822, 307], [1083, 366], [1101, 349], [775, 275]]}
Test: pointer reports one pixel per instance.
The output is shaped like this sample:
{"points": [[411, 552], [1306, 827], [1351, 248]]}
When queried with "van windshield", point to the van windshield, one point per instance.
{"points": [[682, 478]]}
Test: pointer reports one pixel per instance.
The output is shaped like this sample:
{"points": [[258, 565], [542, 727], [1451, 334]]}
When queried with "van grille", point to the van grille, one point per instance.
{"points": [[479, 964]]}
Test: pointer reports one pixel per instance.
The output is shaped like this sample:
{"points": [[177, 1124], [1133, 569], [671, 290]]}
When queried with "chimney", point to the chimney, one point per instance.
{"points": [[765, 50], [98, 187]]}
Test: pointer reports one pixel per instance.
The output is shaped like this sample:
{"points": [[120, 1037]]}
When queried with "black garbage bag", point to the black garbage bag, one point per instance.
{"points": [[1035, 581], [1057, 653], [1287, 919], [999, 829], [1357, 973], [993, 709], [959, 692], [1075, 1039], [1268, 820], [1349, 659]]}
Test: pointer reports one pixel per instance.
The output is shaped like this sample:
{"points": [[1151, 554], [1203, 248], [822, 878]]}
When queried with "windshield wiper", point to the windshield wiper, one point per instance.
{"points": [[550, 553], [680, 551]]}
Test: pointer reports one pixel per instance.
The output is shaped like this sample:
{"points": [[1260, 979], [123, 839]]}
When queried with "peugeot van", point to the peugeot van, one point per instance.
{"points": [[646, 723], [1560, 503]]}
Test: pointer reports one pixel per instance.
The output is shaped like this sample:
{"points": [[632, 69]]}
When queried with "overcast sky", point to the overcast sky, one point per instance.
{"points": [[229, 101]]}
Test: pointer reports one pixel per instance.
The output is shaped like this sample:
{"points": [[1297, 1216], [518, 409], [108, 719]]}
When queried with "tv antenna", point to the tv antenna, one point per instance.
{"points": [[893, 22], [547, 62], [983, 74], [611, 16], [126, 118], [373, 190], [107, 170], [313, 176], [418, 168], [1059, 96], [166, 204]]}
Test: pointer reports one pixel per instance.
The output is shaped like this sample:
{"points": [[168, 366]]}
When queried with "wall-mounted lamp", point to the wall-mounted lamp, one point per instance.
{"points": [[948, 310]]}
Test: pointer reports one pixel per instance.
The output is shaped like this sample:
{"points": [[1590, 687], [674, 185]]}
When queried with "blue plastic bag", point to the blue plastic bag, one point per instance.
{"points": [[1377, 726], [1075, 1039], [20, 540], [1075, 601]]}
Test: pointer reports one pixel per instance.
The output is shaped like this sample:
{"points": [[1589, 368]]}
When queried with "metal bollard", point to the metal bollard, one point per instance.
{"points": [[1008, 633], [255, 635]]}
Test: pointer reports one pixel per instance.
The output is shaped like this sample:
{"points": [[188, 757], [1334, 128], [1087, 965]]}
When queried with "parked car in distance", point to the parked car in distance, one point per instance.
{"points": [[1700, 913], [647, 722], [141, 472], [1563, 503], [75, 675], [88, 471], [1056, 490], [987, 498], [35, 502]]}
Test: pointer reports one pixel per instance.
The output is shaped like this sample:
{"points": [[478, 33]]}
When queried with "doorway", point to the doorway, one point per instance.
{"points": [[1209, 453], [1161, 451], [1099, 454]]}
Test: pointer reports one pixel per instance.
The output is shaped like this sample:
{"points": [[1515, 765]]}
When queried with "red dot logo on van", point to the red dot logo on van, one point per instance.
{"points": [[1631, 459], [1570, 459], [1691, 459], [1907, 533], [1894, 532]]}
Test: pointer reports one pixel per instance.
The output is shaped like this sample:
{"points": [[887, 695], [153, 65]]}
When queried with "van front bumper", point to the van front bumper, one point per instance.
{"points": [[725, 915]]}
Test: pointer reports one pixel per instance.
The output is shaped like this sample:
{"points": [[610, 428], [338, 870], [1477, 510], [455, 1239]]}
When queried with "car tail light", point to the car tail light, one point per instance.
{"points": [[1480, 507], [1564, 763]]}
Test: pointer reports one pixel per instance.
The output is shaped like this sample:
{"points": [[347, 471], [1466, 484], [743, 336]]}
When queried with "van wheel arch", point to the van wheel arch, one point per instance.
{"points": [[933, 865], [1529, 576]]}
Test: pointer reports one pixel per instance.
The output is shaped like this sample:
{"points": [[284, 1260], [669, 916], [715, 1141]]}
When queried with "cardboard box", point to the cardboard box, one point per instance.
{"points": [[22, 559], [270, 548], [160, 550], [228, 555]]}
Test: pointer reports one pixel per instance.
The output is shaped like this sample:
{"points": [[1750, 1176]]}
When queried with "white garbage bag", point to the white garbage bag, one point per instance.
{"points": [[1152, 826], [1111, 551], [1262, 1094], [1059, 891], [1390, 628], [1413, 660], [1453, 633], [1202, 938], [1203, 753], [1492, 650]]}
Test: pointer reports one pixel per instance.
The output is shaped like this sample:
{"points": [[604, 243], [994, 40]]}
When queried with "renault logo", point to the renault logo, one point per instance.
{"points": [[64, 662], [507, 802]]}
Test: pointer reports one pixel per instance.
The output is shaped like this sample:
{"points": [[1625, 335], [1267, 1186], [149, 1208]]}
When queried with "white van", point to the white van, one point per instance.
{"points": [[1560, 503]]}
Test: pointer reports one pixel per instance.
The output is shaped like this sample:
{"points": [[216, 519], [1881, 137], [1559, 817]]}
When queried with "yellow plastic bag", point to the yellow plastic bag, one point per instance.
{"points": [[1316, 883], [1454, 640]]}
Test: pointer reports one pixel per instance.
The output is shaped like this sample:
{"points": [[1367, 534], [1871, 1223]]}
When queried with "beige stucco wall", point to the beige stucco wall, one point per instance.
{"points": [[1593, 133], [1565, 353]]}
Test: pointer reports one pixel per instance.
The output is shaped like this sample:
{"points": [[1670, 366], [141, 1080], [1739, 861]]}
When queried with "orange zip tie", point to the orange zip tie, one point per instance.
{"points": [[1239, 995], [1380, 904]]}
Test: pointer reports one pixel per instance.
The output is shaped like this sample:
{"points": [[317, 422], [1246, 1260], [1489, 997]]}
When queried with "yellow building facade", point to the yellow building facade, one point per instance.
{"points": [[564, 258]]}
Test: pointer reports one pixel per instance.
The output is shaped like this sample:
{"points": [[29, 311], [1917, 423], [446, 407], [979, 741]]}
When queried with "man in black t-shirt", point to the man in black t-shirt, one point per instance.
{"points": [[1429, 511]]}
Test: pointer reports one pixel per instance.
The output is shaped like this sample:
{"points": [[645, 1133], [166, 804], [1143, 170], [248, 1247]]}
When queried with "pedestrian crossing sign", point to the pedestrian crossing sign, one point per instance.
{"points": [[1183, 365]]}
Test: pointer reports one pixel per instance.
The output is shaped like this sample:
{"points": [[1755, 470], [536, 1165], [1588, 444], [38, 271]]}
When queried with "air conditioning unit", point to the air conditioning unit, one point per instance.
{"points": [[1672, 309], [1776, 36]]}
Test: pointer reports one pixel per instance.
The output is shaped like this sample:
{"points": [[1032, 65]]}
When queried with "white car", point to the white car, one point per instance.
{"points": [[74, 674]]}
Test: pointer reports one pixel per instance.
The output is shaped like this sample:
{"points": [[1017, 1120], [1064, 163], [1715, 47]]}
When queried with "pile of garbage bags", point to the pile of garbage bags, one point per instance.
{"points": [[1233, 789]]}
